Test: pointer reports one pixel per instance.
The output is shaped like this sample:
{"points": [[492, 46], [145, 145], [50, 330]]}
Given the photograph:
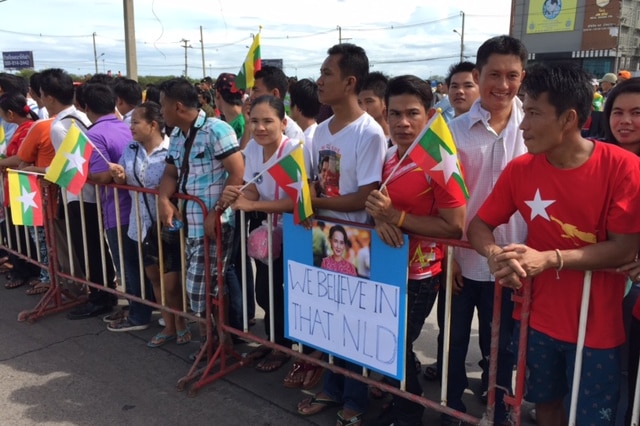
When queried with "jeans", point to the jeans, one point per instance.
{"points": [[353, 394], [476, 294], [139, 313], [421, 298]]}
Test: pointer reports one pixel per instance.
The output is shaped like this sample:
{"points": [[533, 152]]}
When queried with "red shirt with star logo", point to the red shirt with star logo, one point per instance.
{"points": [[568, 209], [410, 190]]}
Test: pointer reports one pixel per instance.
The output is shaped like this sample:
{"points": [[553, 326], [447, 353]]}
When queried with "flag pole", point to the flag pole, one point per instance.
{"points": [[26, 173], [73, 122], [256, 177]]}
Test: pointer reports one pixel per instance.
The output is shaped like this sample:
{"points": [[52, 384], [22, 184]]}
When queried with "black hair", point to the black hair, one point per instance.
{"points": [[128, 90], [151, 112], [17, 103], [275, 103], [273, 78], [78, 95], [152, 94], [206, 95], [410, 85], [454, 69], [34, 84], [338, 228], [57, 83], [99, 98], [353, 62], [102, 79], [304, 96], [501, 45], [631, 85], [13, 83], [376, 82], [180, 90], [567, 86]]}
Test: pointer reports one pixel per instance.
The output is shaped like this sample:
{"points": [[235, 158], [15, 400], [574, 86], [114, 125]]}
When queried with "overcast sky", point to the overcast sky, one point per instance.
{"points": [[401, 36]]}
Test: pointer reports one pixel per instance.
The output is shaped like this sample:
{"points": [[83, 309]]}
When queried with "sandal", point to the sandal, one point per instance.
{"points": [[258, 353], [183, 336], [272, 362], [39, 288], [160, 339], [315, 404], [317, 372], [295, 377], [355, 420], [18, 282]]}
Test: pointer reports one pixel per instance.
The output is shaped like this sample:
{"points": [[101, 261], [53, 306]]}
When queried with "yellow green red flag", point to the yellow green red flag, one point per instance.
{"points": [[252, 63], [290, 174], [25, 199], [70, 166]]}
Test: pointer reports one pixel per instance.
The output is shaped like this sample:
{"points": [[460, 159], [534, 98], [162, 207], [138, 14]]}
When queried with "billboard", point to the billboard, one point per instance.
{"points": [[601, 20], [17, 60], [551, 16], [273, 63]]}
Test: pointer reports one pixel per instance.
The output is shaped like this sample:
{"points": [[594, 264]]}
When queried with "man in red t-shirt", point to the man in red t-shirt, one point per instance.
{"points": [[412, 202], [580, 200]]}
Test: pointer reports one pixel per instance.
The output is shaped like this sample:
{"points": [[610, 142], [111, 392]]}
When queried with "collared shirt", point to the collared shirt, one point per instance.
{"points": [[110, 137], [214, 141], [484, 154], [148, 168], [59, 128]]}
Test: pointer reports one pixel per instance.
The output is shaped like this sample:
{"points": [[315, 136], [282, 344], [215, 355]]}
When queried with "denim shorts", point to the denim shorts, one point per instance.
{"points": [[550, 364]]}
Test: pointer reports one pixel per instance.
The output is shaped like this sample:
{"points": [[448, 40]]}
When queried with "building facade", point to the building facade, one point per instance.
{"points": [[601, 35]]}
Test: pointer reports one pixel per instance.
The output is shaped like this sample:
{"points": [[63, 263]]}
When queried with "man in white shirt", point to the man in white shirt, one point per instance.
{"points": [[487, 138]]}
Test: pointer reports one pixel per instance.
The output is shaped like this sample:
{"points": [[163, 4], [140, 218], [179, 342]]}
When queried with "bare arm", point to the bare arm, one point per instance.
{"points": [[346, 203], [168, 186]]}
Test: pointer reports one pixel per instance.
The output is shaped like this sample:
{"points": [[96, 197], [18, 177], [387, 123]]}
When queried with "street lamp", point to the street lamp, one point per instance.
{"points": [[461, 34]]}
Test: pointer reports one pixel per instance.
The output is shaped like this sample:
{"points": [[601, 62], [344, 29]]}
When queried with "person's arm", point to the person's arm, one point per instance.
{"points": [[10, 162], [117, 173], [249, 201], [101, 177], [234, 165], [346, 203], [168, 187]]}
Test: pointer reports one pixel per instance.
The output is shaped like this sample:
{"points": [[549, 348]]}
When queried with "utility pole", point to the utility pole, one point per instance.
{"points": [[95, 52], [204, 71], [340, 39], [130, 40], [186, 46], [462, 38]]}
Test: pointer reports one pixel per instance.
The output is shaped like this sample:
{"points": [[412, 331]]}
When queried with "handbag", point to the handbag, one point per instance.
{"points": [[258, 239]]}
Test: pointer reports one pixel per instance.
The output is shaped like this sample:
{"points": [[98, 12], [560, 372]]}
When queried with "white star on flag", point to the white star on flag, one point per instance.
{"points": [[539, 206], [76, 160], [27, 199], [297, 186], [448, 166]]}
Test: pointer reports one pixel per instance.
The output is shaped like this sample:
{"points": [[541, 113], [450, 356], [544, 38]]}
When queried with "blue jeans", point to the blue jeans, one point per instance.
{"points": [[477, 294], [353, 394], [421, 298], [139, 313]]}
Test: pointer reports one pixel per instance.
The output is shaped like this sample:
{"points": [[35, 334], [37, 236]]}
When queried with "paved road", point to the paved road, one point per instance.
{"points": [[61, 372]]}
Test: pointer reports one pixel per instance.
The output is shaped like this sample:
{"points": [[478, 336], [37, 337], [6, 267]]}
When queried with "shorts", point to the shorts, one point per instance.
{"points": [[550, 364], [171, 254], [196, 267]]}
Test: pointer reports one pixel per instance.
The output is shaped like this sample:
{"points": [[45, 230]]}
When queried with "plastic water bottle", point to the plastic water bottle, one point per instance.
{"points": [[176, 225]]}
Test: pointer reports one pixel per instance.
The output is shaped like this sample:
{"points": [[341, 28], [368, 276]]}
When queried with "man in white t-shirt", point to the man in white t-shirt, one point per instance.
{"points": [[355, 147]]}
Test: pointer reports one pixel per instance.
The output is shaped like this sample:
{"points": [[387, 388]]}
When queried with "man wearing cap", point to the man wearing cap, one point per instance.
{"points": [[607, 82], [206, 84]]}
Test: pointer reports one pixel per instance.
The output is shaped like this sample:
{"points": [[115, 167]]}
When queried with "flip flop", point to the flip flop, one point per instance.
{"points": [[355, 420], [18, 282], [316, 405], [160, 339], [272, 362], [258, 353], [183, 336], [39, 288]]}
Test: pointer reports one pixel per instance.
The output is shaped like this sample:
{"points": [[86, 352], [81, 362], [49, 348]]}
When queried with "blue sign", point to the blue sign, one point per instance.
{"points": [[17, 60], [349, 299]]}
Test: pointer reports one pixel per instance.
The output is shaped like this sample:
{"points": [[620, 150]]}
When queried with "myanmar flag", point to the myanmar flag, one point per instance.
{"points": [[291, 175], [3, 140], [25, 199], [435, 151], [252, 63], [70, 166]]}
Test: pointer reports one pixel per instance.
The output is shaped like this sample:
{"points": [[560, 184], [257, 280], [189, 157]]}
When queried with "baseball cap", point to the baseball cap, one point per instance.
{"points": [[208, 80], [624, 74], [609, 78], [225, 84]]}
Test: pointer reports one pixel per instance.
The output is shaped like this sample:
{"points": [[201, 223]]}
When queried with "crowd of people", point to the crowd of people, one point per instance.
{"points": [[545, 204]]}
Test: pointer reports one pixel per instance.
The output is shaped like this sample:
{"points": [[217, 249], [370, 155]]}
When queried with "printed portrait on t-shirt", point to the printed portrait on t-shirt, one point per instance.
{"points": [[348, 250], [328, 182]]}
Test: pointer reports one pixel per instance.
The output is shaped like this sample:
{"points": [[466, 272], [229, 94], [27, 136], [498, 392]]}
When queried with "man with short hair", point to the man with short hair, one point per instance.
{"points": [[270, 80], [203, 158], [204, 99], [570, 230], [57, 92], [356, 144], [463, 89], [371, 98], [128, 95], [606, 84], [487, 138], [304, 108]]}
